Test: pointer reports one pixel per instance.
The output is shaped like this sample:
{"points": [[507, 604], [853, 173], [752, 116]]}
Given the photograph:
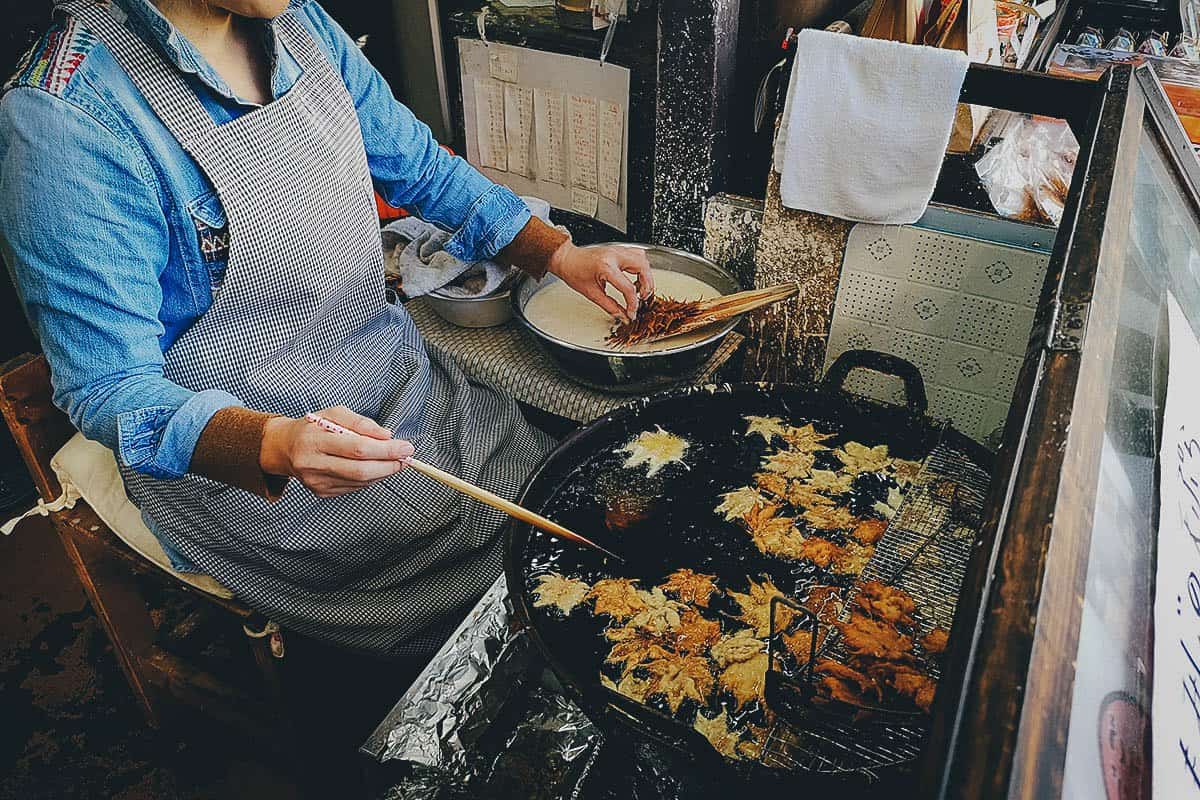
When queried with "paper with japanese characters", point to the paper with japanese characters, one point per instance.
{"points": [[1175, 715], [548, 125]]}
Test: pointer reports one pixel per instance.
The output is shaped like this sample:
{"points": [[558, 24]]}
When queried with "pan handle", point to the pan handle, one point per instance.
{"points": [[888, 364]]}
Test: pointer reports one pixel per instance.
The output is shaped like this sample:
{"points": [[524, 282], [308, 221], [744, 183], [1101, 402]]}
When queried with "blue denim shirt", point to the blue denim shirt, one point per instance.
{"points": [[118, 241]]}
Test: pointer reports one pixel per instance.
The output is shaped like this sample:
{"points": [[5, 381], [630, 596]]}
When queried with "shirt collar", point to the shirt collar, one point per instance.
{"points": [[143, 17]]}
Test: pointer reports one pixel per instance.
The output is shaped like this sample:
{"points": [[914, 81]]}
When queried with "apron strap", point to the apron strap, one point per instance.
{"points": [[300, 43]]}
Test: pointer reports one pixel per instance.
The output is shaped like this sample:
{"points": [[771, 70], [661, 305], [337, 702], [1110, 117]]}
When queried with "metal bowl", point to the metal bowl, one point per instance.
{"points": [[472, 312], [632, 373]]}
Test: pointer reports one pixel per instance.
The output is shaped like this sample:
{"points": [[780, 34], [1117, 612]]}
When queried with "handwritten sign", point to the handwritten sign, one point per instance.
{"points": [[1175, 714]]}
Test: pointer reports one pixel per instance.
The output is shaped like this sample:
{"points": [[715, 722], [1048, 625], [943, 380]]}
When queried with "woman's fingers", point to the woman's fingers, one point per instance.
{"points": [[634, 262], [363, 448], [600, 297], [620, 281], [355, 422]]}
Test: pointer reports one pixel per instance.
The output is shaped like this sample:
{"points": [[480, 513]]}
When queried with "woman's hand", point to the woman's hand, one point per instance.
{"points": [[589, 270], [327, 463]]}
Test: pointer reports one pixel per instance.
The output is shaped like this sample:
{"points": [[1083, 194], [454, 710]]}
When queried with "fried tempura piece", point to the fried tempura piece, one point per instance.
{"points": [[853, 559], [756, 608], [619, 598], [634, 688], [825, 602], [789, 463], [819, 551], [559, 591], [691, 587], [695, 634], [806, 439], [869, 531], [830, 518], [766, 427], [803, 495], [741, 646], [935, 641], [660, 614], [716, 730], [746, 680], [905, 472], [772, 483], [859, 458], [865, 684], [799, 643], [907, 680], [740, 502], [832, 482], [863, 636], [656, 449], [774, 536], [632, 647], [679, 678], [886, 603]]}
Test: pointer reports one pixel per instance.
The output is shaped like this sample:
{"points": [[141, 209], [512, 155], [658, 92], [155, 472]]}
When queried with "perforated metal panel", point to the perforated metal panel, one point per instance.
{"points": [[959, 308]]}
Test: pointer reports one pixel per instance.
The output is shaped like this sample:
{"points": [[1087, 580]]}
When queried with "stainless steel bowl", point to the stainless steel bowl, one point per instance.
{"points": [[472, 312], [632, 373]]}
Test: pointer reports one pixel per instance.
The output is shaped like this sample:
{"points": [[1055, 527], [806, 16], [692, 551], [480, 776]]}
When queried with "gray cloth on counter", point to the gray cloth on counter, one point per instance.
{"points": [[413, 253]]}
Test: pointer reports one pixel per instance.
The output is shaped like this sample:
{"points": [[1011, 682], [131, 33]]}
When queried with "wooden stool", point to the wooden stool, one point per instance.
{"points": [[111, 571]]}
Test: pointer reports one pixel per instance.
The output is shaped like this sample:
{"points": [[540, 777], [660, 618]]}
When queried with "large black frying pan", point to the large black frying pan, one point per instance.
{"points": [[666, 521]]}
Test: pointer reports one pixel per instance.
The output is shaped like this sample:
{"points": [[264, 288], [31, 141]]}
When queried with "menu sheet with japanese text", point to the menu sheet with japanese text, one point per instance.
{"points": [[548, 125]]}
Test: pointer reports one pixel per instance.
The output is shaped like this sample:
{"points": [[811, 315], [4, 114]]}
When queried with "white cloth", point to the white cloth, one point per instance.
{"points": [[865, 126], [413, 253]]}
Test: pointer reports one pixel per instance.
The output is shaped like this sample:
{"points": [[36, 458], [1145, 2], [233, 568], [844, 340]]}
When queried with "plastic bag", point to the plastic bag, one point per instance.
{"points": [[1027, 172]]}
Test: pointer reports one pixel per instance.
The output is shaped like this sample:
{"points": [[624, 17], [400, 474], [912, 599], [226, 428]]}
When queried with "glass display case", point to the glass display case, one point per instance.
{"points": [[1058, 662]]}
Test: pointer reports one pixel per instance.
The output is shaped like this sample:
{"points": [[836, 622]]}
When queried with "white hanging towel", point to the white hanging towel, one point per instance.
{"points": [[865, 126]]}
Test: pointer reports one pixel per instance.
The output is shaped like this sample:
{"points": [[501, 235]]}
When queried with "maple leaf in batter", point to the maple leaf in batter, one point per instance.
{"points": [[655, 449], [799, 644], [825, 603], [888, 509], [739, 503], [766, 427], [741, 646], [907, 680], [716, 730], [935, 641], [905, 472], [846, 684], [819, 551], [789, 463], [634, 688], [892, 605], [864, 636], [633, 647], [695, 634], [746, 680], [859, 458], [853, 559], [619, 598], [691, 587], [680, 678], [830, 518], [832, 482], [756, 608], [774, 536], [660, 613], [807, 438], [869, 531], [752, 747], [772, 483], [804, 495], [561, 592]]}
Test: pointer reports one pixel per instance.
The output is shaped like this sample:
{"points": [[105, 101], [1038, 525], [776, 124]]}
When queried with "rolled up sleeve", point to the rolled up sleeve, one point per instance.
{"points": [[410, 170], [82, 227]]}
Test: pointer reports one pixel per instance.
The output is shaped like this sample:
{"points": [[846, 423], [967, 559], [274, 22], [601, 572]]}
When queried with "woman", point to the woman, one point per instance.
{"points": [[188, 211]]}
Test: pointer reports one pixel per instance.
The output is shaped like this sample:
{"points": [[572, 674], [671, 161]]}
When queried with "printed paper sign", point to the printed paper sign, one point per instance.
{"points": [[489, 124], [518, 127], [1175, 714]]}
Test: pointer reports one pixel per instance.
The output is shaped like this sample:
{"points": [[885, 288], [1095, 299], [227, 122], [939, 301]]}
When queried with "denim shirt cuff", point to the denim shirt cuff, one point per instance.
{"points": [[494, 220], [159, 440]]}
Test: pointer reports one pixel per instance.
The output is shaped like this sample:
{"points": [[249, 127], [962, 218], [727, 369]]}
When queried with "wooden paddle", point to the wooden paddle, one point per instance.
{"points": [[680, 318]]}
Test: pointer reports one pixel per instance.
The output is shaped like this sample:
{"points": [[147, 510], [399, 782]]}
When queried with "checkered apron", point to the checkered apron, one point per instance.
{"points": [[301, 323]]}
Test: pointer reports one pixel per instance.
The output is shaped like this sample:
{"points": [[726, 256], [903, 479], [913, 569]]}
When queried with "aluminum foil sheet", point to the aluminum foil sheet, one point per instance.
{"points": [[485, 719]]}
